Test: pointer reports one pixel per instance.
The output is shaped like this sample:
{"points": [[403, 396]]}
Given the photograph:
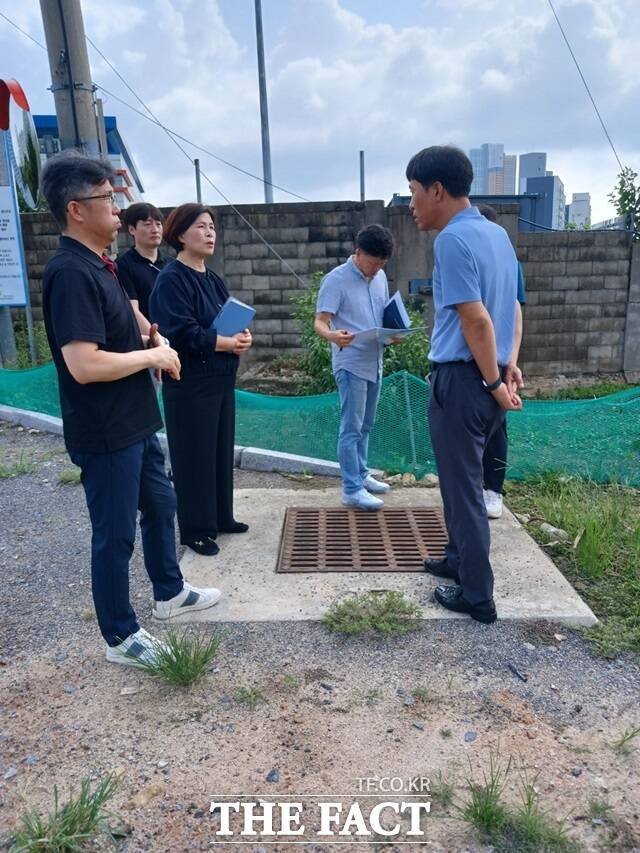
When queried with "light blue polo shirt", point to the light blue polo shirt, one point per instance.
{"points": [[474, 261], [356, 304]]}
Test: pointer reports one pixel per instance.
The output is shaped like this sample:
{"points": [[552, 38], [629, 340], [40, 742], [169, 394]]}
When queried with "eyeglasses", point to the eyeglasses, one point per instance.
{"points": [[111, 197]]}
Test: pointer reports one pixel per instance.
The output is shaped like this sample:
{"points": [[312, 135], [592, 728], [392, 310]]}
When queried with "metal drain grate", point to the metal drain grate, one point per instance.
{"points": [[341, 539]]}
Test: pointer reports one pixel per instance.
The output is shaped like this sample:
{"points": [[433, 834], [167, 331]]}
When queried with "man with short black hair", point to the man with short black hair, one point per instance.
{"points": [[352, 298], [109, 410], [139, 266], [474, 379]]}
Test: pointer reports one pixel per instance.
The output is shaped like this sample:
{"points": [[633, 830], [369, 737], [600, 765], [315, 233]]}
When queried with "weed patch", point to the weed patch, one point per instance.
{"points": [[384, 614], [602, 553], [251, 696], [71, 826]]}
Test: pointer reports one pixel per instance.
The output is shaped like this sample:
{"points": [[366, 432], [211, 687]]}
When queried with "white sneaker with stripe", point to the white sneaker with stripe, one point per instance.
{"points": [[188, 600]]}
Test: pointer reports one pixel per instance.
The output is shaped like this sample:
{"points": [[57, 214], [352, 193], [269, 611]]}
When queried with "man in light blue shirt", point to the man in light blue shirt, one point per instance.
{"points": [[352, 299], [475, 379]]}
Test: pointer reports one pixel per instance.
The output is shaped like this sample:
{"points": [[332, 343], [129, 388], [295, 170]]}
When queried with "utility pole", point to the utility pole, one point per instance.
{"points": [[264, 109], [70, 74], [362, 177]]}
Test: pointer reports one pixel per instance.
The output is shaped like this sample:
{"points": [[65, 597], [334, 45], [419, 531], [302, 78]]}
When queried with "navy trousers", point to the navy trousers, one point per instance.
{"points": [[494, 461], [462, 416], [116, 486]]}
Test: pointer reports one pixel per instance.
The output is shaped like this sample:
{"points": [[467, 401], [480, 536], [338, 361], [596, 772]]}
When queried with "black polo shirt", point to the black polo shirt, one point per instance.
{"points": [[138, 276], [84, 301]]}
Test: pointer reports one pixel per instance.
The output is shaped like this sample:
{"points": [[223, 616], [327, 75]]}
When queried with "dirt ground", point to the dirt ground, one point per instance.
{"points": [[336, 710]]}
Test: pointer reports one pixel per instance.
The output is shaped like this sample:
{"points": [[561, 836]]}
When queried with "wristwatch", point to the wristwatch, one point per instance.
{"points": [[494, 385]]}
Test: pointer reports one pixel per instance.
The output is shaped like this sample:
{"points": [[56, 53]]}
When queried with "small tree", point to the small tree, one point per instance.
{"points": [[625, 198]]}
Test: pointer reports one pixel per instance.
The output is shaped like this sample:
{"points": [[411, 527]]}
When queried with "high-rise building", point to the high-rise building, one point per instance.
{"points": [[495, 181], [579, 211], [532, 165], [550, 210], [490, 155], [509, 182]]}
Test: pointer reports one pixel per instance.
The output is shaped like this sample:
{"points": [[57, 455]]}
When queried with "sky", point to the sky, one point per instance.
{"points": [[343, 75]]}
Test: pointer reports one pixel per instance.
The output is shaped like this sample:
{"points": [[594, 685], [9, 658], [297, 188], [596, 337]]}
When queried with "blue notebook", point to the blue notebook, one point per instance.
{"points": [[395, 314], [234, 316]]}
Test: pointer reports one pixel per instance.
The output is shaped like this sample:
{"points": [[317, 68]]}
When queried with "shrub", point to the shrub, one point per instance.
{"points": [[411, 355]]}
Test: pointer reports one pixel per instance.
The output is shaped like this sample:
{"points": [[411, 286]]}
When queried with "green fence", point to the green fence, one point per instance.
{"points": [[598, 439]]}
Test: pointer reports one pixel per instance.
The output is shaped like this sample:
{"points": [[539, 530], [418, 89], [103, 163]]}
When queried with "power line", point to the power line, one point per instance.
{"points": [[186, 154], [194, 145], [156, 121], [24, 32], [204, 175], [586, 85]]}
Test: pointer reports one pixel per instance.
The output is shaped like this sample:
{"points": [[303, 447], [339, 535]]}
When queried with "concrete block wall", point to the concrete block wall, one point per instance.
{"points": [[578, 283], [577, 292]]}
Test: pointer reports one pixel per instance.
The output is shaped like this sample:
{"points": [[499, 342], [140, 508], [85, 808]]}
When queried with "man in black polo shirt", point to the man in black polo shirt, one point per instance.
{"points": [[138, 267], [109, 411]]}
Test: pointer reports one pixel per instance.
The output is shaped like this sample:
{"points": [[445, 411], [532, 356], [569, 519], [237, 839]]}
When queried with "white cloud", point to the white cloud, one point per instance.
{"points": [[464, 71]]}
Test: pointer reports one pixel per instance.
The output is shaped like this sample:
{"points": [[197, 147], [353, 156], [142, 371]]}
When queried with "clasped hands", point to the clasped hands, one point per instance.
{"points": [[506, 395]]}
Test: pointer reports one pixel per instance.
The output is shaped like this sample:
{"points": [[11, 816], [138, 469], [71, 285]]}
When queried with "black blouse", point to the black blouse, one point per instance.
{"points": [[184, 304]]}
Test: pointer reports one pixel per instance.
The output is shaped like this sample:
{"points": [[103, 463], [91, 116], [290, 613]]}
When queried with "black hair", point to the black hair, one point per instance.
{"points": [[444, 163], [139, 212], [71, 175], [182, 218], [488, 212], [375, 240]]}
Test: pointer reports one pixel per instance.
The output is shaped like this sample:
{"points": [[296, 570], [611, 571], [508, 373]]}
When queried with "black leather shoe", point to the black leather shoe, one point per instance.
{"points": [[451, 598], [236, 527], [205, 545], [441, 569]]}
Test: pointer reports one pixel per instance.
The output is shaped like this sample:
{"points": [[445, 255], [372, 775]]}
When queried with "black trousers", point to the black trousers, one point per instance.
{"points": [[200, 419], [462, 417], [494, 461]]}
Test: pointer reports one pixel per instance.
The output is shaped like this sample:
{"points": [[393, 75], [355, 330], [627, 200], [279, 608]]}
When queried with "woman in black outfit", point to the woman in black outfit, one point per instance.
{"points": [[200, 407]]}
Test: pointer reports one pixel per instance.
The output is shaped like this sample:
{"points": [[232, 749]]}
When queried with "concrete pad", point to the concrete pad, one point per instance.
{"points": [[527, 586]]}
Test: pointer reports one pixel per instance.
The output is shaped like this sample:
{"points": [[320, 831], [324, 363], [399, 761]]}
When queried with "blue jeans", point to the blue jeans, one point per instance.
{"points": [[116, 486], [358, 404]]}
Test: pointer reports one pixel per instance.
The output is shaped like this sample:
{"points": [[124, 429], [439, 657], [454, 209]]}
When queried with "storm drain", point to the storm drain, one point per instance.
{"points": [[341, 539]]}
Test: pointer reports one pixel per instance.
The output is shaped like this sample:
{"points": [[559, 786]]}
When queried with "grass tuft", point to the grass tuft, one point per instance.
{"points": [[422, 694], [251, 696], [69, 477], [71, 826], [442, 790], [529, 829], [373, 696], [386, 614], [185, 658], [485, 809], [445, 733], [23, 465], [623, 744], [600, 809]]}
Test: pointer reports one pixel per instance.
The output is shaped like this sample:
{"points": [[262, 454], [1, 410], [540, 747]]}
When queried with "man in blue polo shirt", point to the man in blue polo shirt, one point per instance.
{"points": [[352, 299], [475, 379]]}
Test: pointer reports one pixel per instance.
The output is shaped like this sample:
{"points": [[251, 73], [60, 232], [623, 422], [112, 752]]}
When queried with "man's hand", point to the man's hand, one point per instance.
{"points": [[398, 340], [155, 338], [513, 378], [341, 338], [507, 400], [243, 341], [165, 358]]}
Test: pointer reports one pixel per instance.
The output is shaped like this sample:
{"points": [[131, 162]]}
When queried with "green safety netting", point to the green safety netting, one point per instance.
{"points": [[598, 439]]}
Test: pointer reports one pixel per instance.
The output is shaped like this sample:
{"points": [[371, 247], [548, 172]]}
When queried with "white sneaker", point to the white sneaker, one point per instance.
{"points": [[493, 503], [362, 500], [137, 649], [375, 486], [188, 600]]}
